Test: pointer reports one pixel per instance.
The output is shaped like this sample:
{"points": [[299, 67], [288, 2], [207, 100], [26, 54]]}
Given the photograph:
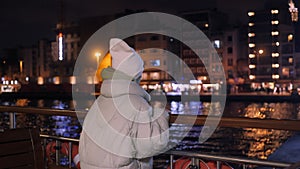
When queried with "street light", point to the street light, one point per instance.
{"points": [[98, 54]]}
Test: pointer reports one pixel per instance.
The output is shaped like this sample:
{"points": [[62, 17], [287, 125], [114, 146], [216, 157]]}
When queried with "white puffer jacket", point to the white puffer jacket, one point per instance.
{"points": [[121, 130]]}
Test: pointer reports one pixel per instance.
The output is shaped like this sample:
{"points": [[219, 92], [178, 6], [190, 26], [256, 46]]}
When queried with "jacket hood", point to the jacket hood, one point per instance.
{"points": [[125, 59]]}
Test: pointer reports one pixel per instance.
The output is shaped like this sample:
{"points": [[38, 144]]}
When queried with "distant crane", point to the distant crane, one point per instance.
{"points": [[293, 10]]}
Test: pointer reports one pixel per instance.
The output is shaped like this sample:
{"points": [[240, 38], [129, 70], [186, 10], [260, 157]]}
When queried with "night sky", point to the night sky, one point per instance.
{"points": [[24, 22]]}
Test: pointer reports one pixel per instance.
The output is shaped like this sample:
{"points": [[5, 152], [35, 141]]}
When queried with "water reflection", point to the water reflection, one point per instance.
{"points": [[65, 126], [195, 108], [271, 111], [191, 107], [250, 142]]}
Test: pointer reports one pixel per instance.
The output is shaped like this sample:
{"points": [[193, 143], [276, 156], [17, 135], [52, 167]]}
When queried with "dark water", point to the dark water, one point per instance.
{"points": [[245, 142], [248, 142]]}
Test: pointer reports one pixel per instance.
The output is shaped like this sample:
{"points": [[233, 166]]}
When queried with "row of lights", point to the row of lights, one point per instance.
{"points": [[252, 45], [273, 11], [7, 82]]}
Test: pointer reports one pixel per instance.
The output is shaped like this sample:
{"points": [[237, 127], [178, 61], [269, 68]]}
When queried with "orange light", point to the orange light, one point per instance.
{"points": [[105, 62]]}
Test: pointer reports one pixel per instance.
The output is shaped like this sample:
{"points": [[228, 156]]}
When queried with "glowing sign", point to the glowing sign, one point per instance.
{"points": [[294, 11], [60, 46]]}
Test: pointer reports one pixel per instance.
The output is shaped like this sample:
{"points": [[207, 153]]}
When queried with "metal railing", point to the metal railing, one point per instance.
{"points": [[218, 159], [234, 122], [58, 141]]}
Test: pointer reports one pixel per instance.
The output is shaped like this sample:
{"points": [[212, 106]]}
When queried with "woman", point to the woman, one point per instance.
{"points": [[122, 130]]}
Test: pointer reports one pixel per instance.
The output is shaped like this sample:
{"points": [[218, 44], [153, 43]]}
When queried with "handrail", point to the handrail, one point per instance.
{"points": [[59, 138], [57, 141], [41, 111], [228, 159], [234, 122]]}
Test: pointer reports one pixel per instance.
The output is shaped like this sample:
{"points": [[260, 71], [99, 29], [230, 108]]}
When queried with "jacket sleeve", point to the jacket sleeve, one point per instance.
{"points": [[150, 132]]}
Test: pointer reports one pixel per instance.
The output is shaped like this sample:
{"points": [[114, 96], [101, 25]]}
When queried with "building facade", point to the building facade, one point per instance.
{"points": [[160, 55], [64, 51], [271, 47], [220, 56]]}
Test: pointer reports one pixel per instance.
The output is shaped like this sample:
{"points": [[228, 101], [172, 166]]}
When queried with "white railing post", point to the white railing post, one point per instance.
{"points": [[218, 165], [171, 161], [57, 149], [70, 154], [12, 120], [193, 163]]}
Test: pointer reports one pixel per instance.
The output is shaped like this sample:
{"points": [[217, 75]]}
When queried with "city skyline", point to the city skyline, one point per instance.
{"points": [[24, 23]]}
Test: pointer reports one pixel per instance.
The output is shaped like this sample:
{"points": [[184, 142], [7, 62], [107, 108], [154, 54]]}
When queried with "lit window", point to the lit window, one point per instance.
{"points": [[252, 66], [154, 75], [72, 79], [251, 13], [217, 44], [276, 65], [290, 37], [276, 22], [275, 76], [274, 33], [251, 55], [203, 78], [275, 55], [155, 62], [40, 80], [251, 77], [56, 80], [250, 24], [251, 45], [285, 71], [251, 35], [274, 11], [291, 60], [277, 44]]}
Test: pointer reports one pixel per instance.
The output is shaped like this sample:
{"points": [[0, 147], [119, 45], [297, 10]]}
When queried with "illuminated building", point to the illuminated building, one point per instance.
{"points": [[158, 53], [64, 52], [34, 62], [224, 39], [270, 46]]}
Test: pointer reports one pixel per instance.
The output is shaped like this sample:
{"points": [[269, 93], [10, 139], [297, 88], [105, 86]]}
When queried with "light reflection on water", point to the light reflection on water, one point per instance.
{"points": [[250, 142], [256, 143]]}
